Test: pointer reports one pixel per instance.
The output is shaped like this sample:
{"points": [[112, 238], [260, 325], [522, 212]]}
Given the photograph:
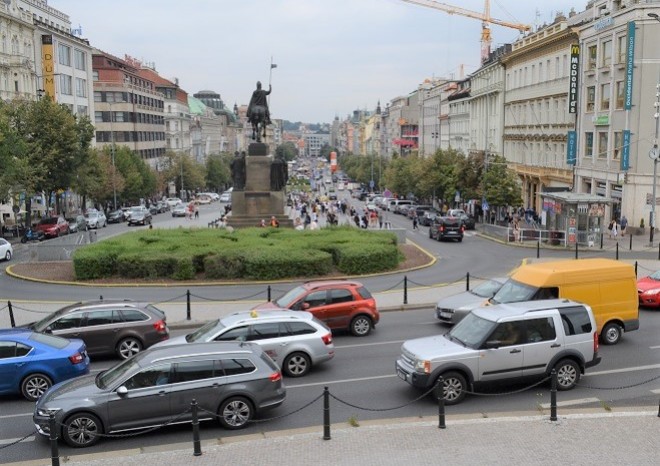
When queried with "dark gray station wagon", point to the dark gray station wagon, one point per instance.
{"points": [[230, 381]]}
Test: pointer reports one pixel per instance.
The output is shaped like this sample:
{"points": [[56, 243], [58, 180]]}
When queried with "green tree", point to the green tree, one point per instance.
{"points": [[501, 186], [218, 173], [287, 150]]}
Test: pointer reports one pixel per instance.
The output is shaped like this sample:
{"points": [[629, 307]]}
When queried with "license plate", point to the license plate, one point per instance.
{"points": [[446, 315], [402, 376]]}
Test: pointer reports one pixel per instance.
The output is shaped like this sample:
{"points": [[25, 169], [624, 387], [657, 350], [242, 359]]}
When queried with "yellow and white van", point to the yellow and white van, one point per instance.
{"points": [[608, 286]]}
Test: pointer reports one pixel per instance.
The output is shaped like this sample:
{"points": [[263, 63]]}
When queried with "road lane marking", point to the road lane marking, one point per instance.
{"points": [[360, 345], [9, 416], [580, 401], [626, 369], [7, 441], [654, 347]]}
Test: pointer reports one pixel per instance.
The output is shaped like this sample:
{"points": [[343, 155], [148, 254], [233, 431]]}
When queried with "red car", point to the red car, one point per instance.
{"points": [[53, 226], [648, 290], [341, 304]]}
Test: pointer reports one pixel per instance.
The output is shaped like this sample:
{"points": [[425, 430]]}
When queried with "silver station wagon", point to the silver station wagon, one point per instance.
{"points": [[295, 340], [231, 381]]}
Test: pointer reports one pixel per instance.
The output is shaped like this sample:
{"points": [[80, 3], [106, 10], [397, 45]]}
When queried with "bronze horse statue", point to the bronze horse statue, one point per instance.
{"points": [[258, 121]]}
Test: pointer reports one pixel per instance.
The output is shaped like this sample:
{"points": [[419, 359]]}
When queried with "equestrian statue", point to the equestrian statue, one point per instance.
{"points": [[257, 112]]}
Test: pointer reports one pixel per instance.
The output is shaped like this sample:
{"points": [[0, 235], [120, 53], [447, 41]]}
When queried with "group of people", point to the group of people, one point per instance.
{"points": [[614, 228], [192, 210]]}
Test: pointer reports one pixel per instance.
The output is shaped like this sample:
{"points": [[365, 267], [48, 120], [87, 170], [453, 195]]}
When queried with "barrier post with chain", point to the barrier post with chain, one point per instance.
{"points": [[553, 395], [197, 448], [268, 290], [441, 403], [11, 314], [188, 316], [326, 413], [405, 289], [54, 452], [467, 282]]}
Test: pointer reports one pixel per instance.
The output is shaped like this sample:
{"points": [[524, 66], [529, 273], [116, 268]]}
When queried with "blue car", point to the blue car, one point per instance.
{"points": [[30, 362]]}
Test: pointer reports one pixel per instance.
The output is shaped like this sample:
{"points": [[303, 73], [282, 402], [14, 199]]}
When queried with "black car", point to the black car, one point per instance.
{"points": [[116, 216], [120, 327], [447, 228], [427, 218]]}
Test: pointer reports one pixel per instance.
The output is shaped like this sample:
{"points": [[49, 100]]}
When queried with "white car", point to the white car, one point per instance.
{"points": [[95, 219], [6, 250], [225, 197], [173, 201]]}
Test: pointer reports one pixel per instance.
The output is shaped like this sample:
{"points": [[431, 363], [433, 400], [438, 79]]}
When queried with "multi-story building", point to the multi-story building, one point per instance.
{"points": [[458, 118], [228, 118], [429, 116], [536, 110], [206, 130], [129, 111], [618, 100], [314, 142], [487, 106], [17, 53]]}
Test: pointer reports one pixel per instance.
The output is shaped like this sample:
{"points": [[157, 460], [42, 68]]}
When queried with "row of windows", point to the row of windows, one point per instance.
{"points": [[605, 96], [604, 58], [602, 149], [129, 136], [546, 111], [127, 97], [15, 46], [65, 57], [548, 154], [539, 72], [128, 117]]}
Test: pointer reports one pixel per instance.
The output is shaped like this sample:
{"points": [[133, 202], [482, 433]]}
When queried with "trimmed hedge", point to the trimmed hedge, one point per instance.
{"points": [[252, 253]]}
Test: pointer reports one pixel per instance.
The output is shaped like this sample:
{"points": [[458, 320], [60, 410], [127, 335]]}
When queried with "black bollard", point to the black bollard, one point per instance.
{"points": [[630, 242], [326, 413], [188, 317], [268, 292], [635, 268], [441, 403], [617, 251], [576, 249], [538, 249], [101, 297], [601, 240], [197, 448], [553, 395], [467, 282], [54, 452], [405, 289], [11, 314]]}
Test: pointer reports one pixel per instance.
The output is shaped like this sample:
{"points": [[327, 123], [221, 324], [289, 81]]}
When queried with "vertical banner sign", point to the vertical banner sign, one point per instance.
{"points": [[630, 62], [571, 148], [573, 78], [48, 65], [625, 152]]}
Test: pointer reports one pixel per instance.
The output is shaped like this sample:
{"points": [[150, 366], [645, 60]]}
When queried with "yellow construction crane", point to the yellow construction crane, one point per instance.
{"points": [[485, 18]]}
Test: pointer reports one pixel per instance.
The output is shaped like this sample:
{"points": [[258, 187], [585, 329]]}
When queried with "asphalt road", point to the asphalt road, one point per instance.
{"points": [[362, 373]]}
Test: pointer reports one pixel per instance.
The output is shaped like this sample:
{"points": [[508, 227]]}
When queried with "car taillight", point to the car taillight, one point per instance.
{"points": [[160, 326], [327, 339], [462, 228], [275, 376], [595, 342], [76, 358], [442, 228]]}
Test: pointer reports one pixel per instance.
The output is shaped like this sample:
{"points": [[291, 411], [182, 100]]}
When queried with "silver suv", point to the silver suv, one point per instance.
{"points": [[295, 340], [230, 381], [504, 342]]}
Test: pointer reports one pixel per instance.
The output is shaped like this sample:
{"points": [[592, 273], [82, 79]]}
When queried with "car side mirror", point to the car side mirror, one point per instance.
{"points": [[493, 344], [122, 391], [306, 306], [48, 329]]}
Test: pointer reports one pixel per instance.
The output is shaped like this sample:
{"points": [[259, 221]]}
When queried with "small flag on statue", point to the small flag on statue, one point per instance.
{"points": [[273, 65]]}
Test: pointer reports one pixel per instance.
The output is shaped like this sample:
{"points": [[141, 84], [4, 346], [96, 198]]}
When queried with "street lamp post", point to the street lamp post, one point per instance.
{"points": [[112, 152], [655, 152]]}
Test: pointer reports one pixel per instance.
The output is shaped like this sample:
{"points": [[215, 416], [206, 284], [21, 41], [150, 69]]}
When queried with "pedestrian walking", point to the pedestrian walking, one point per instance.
{"points": [[623, 224], [415, 221]]}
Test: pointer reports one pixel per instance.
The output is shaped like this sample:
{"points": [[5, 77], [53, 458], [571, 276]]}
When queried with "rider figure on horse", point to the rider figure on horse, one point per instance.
{"points": [[259, 99]]}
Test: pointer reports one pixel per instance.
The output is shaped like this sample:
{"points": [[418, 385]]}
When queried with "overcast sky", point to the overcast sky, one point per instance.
{"points": [[332, 56]]}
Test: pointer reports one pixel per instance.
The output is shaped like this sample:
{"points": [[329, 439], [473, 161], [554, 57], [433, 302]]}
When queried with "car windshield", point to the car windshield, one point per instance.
{"points": [[205, 332], [48, 221], [487, 289], [514, 292], [50, 340], [43, 323], [112, 375], [655, 275], [136, 210], [471, 331], [288, 299]]}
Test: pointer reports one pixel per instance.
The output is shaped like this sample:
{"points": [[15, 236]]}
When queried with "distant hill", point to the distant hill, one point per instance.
{"points": [[295, 125]]}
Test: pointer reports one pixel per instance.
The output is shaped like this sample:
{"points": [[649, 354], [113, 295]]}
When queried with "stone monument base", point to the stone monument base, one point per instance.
{"points": [[248, 208]]}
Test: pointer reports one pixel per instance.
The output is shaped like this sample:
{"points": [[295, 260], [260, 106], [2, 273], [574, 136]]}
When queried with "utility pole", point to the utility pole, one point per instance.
{"points": [[112, 152]]}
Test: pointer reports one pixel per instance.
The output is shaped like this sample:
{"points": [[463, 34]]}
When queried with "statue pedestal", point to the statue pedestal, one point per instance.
{"points": [[257, 202]]}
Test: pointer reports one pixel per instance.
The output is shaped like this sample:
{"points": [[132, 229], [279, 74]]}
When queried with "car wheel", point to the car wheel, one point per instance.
{"points": [[235, 413], [568, 374], [23, 240], [361, 326], [454, 388], [460, 240], [297, 364], [128, 347], [35, 385], [8, 255], [82, 430], [611, 334]]}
